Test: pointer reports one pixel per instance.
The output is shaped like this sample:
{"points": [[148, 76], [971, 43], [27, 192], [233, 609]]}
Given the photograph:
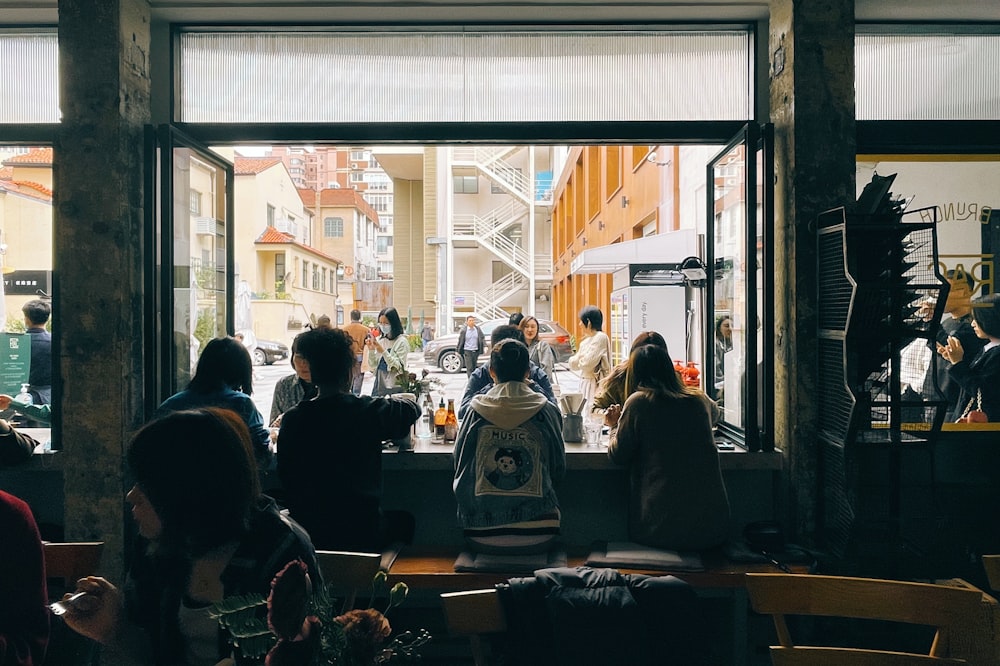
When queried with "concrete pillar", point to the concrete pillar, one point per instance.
{"points": [[811, 49], [98, 241]]}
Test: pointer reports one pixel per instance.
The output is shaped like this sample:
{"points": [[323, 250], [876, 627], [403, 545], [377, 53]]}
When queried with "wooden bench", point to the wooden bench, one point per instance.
{"points": [[432, 570]]}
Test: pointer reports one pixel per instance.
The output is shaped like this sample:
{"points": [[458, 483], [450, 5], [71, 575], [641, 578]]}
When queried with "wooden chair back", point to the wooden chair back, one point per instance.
{"points": [[348, 573], [474, 614], [945, 608], [992, 565], [71, 561]]}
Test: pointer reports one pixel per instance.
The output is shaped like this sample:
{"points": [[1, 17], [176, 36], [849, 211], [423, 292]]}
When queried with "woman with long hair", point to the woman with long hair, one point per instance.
{"points": [[612, 391], [387, 352], [677, 498], [205, 533], [979, 377], [539, 351], [224, 378]]}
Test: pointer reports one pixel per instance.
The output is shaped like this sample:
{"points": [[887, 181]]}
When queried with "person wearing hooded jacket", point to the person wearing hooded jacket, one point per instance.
{"points": [[508, 454]]}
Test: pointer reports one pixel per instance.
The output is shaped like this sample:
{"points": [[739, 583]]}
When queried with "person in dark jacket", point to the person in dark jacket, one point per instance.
{"points": [[481, 381], [330, 452], [205, 534], [978, 376], [471, 343], [15, 447], [36, 314]]}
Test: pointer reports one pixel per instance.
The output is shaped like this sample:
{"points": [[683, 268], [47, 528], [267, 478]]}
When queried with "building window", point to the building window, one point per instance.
{"points": [[466, 184], [194, 202], [270, 215], [305, 274], [279, 273], [323, 283], [383, 243], [357, 176], [359, 155], [315, 277], [333, 227]]}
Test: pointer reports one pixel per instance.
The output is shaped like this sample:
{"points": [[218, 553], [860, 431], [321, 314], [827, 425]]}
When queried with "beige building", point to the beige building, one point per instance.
{"points": [[25, 230], [281, 274]]}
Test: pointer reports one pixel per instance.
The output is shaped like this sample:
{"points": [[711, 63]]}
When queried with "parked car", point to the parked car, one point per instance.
{"points": [[263, 352], [442, 351], [266, 352]]}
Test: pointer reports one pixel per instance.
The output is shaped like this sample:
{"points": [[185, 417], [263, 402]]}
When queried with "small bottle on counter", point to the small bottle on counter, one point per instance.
{"points": [[425, 426], [451, 423], [440, 419]]}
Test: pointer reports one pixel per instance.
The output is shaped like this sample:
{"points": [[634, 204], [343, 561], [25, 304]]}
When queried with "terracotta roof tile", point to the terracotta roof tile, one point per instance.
{"points": [[28, 189], [249, 166], [273, 236], [6, 173], [38, 156], [346, 197]]}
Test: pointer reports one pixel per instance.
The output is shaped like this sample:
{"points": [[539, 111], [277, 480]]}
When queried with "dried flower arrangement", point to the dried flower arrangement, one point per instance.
{"points": [[304, 629]]}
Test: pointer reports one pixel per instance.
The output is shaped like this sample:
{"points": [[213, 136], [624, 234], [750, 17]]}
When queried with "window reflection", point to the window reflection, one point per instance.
{"points": [[964, 191], [730, 304]]}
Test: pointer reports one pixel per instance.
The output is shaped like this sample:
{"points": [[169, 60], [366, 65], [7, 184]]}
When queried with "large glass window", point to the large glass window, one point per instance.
{"points": [[26, 364], [960, 191]]}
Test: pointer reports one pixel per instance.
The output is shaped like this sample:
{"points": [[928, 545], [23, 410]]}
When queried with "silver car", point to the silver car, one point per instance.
{"points": [[443, 351]]}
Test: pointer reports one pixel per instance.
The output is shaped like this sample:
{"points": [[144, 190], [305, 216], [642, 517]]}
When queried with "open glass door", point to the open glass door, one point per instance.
{"points": [[192, 247], [740, 222]]}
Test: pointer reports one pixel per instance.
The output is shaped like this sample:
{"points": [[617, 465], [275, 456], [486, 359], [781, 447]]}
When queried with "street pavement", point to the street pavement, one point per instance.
{"points": [[452, 386]]}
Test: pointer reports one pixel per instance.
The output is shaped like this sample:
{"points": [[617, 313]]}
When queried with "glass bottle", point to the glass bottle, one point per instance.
{"points": [[425, 424], [451, 423], [440, 418]]}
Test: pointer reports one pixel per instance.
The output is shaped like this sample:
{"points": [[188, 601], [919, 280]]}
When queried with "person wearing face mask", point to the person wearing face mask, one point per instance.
{"points": [[387, 353]]}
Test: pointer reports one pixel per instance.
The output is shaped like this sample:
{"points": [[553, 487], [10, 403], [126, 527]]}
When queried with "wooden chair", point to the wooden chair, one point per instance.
{"points": [[945, 608], [348, 573], [474, 614], [992, 565], [71, 561]]}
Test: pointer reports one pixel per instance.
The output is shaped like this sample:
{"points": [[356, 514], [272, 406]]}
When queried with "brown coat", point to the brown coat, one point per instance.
{"points": [[677, 498]]}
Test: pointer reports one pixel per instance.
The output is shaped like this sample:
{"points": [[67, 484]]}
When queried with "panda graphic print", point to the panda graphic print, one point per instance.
{"points": [[509, 461]]}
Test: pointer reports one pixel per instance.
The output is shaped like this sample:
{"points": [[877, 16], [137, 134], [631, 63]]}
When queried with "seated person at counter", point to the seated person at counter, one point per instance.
{"points": [[15, 447], [206, 533], [40, 414], [24, 616], [224, 378], [291, 389], [677, 498], [508, 453], [611, 390], [330, 452], [481, 381]]}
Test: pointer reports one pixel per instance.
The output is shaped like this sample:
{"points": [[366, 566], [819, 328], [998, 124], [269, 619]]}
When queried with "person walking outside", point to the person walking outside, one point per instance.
{"points": [[426, 334], [471, 343], [359, 333]]}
